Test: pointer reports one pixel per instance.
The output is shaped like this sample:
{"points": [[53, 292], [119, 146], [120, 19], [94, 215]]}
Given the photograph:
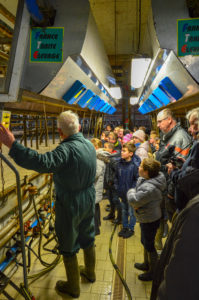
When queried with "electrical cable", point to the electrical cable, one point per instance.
{"points": [[116, 267], [40, 235]]}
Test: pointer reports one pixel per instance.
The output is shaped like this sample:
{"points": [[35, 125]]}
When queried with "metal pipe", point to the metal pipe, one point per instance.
{"points": [[20, 217], [8, 228]]}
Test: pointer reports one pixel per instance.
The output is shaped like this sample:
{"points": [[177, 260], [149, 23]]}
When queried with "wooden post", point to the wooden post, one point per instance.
{"points": [[30, 132], [36, 133], [46, 131], [53, 130], [90, 123], [25, 130], [83, 123], [40, 131]]}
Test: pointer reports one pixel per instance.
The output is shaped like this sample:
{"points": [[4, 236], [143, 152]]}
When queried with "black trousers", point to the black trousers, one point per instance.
{"points": [[148, 232]]}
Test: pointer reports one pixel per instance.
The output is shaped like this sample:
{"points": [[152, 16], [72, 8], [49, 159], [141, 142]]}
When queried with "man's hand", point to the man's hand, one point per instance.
{"points": [[6, 136]]}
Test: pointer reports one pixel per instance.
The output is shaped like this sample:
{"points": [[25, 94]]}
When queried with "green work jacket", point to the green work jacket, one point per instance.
{"points": [[73, 164]]}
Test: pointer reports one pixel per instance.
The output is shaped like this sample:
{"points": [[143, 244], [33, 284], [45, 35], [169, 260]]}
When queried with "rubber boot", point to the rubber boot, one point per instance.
{"points": [[159, 236], [165, 229], [148, 276], [111, 215], [89, 260], [72, 285], [145, 265], [118, 220]]}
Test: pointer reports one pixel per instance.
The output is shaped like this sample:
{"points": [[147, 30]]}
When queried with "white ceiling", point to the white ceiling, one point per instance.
{"points": [[119, 22], [122, 25]]}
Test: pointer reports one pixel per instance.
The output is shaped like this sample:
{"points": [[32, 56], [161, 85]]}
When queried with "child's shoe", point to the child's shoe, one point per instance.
{"points": [[122, 232], [128, 233]]}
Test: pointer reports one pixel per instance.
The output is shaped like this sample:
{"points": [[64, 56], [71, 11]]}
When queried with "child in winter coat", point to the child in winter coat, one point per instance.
{"points": [[142, 146], [109, 183], [126, 178], [146, 199], [99, 180]]}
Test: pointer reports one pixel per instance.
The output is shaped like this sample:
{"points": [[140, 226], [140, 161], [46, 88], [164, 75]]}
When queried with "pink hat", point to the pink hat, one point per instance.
{"points": [[139, 134], [127, 137]]}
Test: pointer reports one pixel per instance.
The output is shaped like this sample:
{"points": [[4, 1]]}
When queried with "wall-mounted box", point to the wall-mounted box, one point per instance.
{"points": [[143, 109], [112, 110], [76, 90], [155, 101], [167, 85], [107, 108], [95, 107], [150, 104], [93, 102], [161, 95], [100, 105], [86, 98], [104, 107]]}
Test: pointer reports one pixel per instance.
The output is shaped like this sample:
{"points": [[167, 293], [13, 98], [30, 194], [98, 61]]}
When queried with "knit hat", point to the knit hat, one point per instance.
{"points": [[139, 134]]}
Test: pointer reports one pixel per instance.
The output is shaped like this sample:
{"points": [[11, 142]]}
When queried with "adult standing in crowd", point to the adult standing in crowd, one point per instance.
{"points": [[176, 275], [191, 164], [73, 164], [175, 141]]}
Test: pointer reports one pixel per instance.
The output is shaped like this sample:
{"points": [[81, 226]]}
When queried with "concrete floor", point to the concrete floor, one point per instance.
{"points": [[102, 289]]}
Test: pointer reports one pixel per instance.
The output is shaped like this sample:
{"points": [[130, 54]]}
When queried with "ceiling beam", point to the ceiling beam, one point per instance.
{"points": [[7, 14], [120, 58], [5, 30], [5, 40], [4, 55]]}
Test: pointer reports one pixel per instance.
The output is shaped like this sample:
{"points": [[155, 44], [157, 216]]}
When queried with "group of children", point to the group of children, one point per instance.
{"points": [[134, 186]]}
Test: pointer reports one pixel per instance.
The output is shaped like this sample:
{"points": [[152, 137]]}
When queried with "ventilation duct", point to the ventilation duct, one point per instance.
{"points": [[165, 15], [84, 57]]}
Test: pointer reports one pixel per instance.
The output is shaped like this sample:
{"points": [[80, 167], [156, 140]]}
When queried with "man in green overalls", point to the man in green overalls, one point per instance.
{"points": [[73, 164]]}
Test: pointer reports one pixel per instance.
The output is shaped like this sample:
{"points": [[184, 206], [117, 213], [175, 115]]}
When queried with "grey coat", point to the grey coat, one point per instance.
{"points": [[146, 198], [102, 159], [142, 150]]}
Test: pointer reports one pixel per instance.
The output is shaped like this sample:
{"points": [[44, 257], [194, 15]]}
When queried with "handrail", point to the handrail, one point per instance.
{"points": [[20, 217]]}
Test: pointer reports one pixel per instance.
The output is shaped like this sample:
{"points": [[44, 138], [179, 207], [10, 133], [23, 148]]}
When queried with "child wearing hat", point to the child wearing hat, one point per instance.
{"points": [[142, 146]]}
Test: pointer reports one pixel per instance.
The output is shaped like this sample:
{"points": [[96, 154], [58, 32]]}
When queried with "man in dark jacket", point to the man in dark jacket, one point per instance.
{"points": [[175, 141], [176, 275], [73, 164], [191, 164]]}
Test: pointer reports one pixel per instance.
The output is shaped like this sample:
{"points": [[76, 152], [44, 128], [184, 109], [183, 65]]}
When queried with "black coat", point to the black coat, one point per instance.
{"points": [[176, 276], [191, 164]]}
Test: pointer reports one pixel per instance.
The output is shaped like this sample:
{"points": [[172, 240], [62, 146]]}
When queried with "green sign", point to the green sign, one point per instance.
{"points": [[188, 37], [46, 44]]}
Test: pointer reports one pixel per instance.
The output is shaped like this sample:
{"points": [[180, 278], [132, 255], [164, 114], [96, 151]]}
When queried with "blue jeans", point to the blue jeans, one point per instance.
{"points": [[128, 218], [113, 198]]}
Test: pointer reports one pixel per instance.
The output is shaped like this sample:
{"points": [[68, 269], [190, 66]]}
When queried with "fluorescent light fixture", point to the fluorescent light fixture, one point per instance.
{"points": [[139, 67], [134, 100], [116, 92]]}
